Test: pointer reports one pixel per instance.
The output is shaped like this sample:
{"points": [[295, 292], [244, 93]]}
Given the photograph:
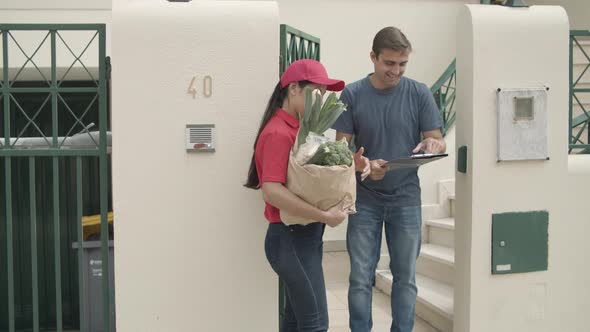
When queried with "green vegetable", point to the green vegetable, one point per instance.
{"points": [[318, 115], [331, 154]]}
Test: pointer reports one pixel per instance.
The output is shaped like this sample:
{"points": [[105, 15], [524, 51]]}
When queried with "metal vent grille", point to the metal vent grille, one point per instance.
{"points": [[200, 138], [201, 135]]}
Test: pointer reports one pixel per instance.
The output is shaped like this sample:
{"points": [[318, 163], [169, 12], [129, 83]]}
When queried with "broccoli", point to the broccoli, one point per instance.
{"points": [[331, 154]]}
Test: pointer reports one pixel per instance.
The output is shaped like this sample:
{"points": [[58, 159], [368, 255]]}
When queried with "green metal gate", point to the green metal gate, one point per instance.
{"points": [[296, 45], [49, 177], [579, 119], [444, 91]]}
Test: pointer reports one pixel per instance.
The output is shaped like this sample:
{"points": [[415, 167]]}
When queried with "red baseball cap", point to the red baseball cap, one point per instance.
{"points": [[310, 70]]}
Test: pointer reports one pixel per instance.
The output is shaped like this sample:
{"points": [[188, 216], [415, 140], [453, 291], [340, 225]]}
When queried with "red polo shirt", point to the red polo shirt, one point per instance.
{"points": [[272, 154]]}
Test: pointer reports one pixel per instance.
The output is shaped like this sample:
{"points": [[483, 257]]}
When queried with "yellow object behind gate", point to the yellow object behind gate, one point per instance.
{"points": [[91, 224]]}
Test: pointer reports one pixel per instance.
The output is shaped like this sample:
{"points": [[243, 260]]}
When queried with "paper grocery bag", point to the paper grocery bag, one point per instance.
{"points": [[320, 186]]}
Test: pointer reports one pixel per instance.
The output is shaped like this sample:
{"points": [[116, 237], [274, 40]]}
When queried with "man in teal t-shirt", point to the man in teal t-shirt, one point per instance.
{"points": [[386, 114]]}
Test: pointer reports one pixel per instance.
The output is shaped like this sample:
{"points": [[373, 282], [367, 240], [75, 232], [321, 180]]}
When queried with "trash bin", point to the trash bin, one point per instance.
{"points": [[92, 287]]}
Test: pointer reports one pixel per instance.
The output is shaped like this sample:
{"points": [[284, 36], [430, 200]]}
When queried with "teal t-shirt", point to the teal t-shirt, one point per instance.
{"points": [[388, 124]]}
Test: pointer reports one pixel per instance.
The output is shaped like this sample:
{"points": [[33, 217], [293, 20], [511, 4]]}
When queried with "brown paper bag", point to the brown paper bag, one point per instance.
{"points": [[320, 186]]}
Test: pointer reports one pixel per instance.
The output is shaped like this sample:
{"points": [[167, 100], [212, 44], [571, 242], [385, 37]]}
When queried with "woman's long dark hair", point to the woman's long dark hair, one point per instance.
{"points": [[275, 102]]}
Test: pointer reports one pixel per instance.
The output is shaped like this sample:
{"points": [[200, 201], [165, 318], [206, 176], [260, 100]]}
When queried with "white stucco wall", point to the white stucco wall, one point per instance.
{"points": [[503, 47], [189, 243]]}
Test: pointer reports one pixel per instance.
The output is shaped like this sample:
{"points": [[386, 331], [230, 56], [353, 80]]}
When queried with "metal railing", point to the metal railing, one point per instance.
{"points": [[445, 92], [579, 119], [296, 45]]}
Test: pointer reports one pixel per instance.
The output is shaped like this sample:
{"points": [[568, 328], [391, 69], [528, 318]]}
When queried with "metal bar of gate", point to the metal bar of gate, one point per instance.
{"points": [[81, 264], [103, 163], [34, 258]]}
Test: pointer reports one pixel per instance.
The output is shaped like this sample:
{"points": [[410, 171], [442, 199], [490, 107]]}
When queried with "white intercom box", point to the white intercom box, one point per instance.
{"points": [[522, 123]]}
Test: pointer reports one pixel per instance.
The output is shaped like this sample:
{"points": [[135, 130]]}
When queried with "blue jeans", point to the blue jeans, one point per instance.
{"points": [[363, 241], [295, 254]]}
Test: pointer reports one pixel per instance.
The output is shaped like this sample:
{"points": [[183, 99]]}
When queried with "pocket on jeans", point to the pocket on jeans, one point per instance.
{"points": [[272, 246]]}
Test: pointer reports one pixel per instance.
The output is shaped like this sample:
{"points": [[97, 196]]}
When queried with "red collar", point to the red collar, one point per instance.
{"points": [[288, 118]]}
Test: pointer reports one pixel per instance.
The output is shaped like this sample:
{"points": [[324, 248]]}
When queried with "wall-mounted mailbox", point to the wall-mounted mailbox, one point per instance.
{"points": [[522, 124], [200, 138], [519, 242]]}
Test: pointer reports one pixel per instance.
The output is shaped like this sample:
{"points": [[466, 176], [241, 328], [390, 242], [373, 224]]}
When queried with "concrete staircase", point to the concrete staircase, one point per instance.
{"points": [[435, 266]]}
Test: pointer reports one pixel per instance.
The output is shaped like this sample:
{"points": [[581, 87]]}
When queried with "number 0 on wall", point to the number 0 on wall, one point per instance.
{"points": [[207, 87]]}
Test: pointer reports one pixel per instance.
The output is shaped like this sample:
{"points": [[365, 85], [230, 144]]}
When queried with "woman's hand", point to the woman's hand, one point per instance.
{"points": [[335, 215], [362, 164]]}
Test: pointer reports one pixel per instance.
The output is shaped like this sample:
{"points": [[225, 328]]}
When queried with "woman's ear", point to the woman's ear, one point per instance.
{"points": [[293, 88]]}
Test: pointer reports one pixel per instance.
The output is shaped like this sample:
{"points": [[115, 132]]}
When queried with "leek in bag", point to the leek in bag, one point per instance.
{"points": [[318, 117]]}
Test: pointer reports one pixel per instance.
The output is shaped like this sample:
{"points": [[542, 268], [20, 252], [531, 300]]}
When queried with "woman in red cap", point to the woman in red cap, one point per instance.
{"points": [[294, 252]]}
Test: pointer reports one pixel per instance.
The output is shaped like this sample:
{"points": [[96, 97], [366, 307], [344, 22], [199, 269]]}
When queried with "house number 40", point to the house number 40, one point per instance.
{"points": [[207, 87]]}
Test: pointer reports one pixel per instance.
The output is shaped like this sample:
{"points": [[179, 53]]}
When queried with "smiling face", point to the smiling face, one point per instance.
{"points": [[390, 66]]}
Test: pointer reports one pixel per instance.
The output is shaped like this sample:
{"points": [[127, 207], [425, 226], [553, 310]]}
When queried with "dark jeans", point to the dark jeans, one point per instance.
{"points": [[295, 254]]}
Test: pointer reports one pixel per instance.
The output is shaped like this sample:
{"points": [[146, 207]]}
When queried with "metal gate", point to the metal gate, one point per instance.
{"points": [[54, 169], [579, 112]]}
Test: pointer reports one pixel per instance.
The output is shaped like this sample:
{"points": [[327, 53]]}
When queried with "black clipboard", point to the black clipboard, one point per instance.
{"points": [[414, 161]]}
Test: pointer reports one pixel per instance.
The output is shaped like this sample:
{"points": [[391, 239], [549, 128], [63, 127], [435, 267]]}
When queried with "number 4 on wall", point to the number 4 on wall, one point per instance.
{"points": [[207, 87]]}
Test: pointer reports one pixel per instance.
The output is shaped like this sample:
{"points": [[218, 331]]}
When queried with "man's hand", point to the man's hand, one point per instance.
{"points": [[362, 164], [431, 145], [377, 169], [433, 142]]}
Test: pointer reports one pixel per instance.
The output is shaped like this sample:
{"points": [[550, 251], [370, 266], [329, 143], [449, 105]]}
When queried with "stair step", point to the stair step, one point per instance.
{"points": [[452, 205], [435, 270], [441, 254], [441, 232], [434, 302], [383, 263], [436, 295], [383, 280], [446, 223]]}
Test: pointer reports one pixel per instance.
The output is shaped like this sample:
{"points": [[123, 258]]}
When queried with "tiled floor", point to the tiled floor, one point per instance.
{"points": [[336, 270]]}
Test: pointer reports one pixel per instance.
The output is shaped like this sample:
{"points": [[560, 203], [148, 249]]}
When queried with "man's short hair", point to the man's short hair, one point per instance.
{"points": [[390, 38]]}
